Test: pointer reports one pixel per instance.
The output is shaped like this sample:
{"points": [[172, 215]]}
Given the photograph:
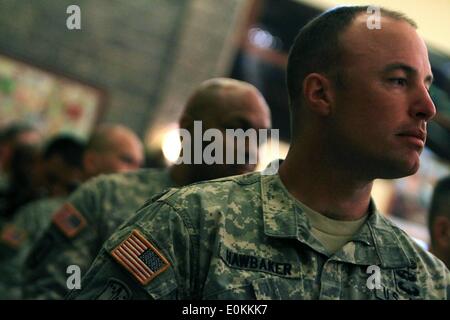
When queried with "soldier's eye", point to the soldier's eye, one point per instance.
{"points": [[126, 159], [401, 82]]}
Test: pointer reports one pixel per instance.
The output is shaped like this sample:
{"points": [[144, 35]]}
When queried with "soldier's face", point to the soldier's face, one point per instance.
{"points": [[122, 159], [29, 138], [61, 178], [125, 155], [245, 110], [380, 115]]}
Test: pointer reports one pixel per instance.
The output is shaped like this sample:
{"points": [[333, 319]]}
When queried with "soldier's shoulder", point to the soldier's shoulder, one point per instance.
{"points": [[124, 177], [198, 201], [217, 190], [112, 185], [39, 209], [47, 203]]}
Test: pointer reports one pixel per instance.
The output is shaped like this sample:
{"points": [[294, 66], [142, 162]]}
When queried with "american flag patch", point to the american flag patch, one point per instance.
{"points": [[140, 257], [69, 220], [13, 236]]}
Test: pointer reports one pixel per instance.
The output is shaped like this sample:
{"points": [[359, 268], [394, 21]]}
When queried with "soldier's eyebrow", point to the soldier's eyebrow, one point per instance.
{"points": [[410, 71]]}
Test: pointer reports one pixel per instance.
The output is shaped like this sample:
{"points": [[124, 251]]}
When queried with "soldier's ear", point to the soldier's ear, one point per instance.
{"points": [[318, 94]]}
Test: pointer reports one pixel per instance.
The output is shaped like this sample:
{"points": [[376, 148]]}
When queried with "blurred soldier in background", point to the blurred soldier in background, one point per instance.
{"points": [[26, 181], [439, 221], [21, 141], [62, 165], [112, 148], [102, 204], [66, 164], [58, 171], [13, 136]]}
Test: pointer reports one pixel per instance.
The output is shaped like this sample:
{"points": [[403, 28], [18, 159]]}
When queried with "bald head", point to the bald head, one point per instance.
{"points": [[217, 96], [222, 104], [113, 148]]}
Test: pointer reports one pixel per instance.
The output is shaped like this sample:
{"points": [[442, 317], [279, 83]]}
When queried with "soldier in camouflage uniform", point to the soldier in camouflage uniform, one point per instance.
{"points": [[102, 204], [98, 207], [246, 237], [359, 103], [17, 238], [66, 161], [59, 168]]}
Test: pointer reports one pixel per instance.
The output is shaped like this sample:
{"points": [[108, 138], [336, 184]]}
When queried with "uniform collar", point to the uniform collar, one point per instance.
{"points": [[390, 248], [280, 219], [376, 243], [377, 240]]}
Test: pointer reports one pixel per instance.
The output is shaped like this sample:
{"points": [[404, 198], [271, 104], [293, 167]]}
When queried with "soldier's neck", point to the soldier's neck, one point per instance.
{"points": [[181, 174], [334, 193]]}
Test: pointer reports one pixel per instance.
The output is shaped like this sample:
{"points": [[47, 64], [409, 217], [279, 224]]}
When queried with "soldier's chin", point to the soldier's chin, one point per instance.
{"points": [[400, 170]]}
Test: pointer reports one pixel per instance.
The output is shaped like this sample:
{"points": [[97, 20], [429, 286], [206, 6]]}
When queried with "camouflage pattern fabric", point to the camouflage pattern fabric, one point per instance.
{"points": [[246, 237], [104, 203], [18, 237]]}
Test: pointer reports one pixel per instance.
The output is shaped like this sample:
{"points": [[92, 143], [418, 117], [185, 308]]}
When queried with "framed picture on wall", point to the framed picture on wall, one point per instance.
{"points": [[52, 102]]}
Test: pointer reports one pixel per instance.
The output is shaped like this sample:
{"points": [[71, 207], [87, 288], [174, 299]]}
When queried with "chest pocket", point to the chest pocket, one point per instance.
{"points": [[241, 275], [278, 289], [268, 288]]}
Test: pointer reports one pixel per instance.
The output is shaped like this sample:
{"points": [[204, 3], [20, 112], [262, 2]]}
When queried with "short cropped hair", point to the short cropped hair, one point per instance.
{"points": [[12, 131], [69, 148], [317, 47]]}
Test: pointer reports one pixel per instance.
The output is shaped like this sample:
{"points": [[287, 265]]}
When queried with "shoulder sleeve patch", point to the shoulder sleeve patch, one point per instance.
{"points": [[140, 258], [13, 236], [69, 220]]}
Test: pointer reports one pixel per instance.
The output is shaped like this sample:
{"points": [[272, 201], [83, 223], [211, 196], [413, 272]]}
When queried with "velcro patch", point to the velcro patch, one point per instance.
{"points": [[69, 220], [140, 257], [13, 236]]}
